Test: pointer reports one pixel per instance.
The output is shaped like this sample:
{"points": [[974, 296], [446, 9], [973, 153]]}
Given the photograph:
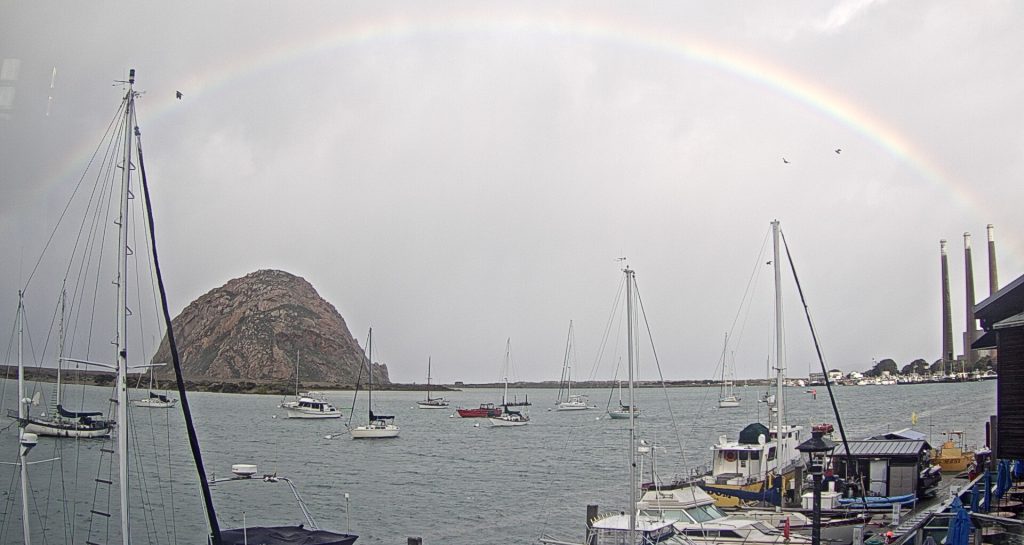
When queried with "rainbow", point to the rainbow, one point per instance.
{"points": [[585, 29]]}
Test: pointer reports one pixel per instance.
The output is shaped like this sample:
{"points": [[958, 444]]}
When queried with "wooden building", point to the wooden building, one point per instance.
{"points": [[888, 467], [1002, 319]]}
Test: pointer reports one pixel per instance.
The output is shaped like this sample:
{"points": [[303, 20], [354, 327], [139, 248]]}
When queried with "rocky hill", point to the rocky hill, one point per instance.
{"points": [[254, 328]]}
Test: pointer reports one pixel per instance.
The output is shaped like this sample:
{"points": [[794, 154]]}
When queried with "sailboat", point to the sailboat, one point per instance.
{"points": [[629, 527], [571, 402], [510, 417], [62, 422], [377, 426], [309, 405], [623, 411], [432, 402], [107, 518], [759, 464], [155, 400], [727, 392]]}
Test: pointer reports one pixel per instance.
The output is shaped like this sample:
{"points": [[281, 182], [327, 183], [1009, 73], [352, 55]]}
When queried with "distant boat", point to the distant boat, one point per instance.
{"points": [[623, 411], [953, 457], [62, 422], [485, 410], [378, 426], [571, 402], [308, 405], [727, 391], [510, 417], [432, 402], [154, 400]]}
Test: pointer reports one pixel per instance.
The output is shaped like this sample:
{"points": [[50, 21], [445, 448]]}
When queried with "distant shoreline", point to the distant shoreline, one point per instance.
{"points": [[243, 386]]}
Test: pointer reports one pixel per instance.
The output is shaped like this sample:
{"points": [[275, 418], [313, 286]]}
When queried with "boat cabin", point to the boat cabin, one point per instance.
{"points": [[888, 467], [753, 455]]}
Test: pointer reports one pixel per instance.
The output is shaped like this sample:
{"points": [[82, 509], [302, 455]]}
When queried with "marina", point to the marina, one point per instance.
{"points": [[432, 480]]}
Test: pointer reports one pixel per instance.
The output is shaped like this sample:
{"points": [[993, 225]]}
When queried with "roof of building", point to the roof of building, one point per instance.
{"points": [[1002, 304], [904, 434], [883, 448]]}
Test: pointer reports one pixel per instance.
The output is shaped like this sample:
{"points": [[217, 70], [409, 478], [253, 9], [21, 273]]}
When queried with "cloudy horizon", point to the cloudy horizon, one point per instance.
{"points": [[455, 175]]}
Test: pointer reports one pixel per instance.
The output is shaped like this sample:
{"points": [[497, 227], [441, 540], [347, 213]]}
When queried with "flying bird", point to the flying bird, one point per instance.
{"points": [[838, 150], [784, 160], [177, 95]]}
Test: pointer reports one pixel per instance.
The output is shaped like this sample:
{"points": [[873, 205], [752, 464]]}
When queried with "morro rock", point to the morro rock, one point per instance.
{"points": [[257, 327]]}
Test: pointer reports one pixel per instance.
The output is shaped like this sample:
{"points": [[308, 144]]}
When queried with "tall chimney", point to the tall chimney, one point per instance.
{"points": [[947, 313], [969, 323], [993, 276]]}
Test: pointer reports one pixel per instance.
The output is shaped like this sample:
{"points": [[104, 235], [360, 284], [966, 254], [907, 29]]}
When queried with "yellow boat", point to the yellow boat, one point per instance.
{"points": [[952, 457]]}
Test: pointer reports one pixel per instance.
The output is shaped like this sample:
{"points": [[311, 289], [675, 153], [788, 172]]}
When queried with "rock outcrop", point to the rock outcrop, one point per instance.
{"points": [[256, 327]]}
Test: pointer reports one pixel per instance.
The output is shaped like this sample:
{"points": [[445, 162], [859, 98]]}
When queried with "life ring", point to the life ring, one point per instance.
{"points": [[730, 456]]}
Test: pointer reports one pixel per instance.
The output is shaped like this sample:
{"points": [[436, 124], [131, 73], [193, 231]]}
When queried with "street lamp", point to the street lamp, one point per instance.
{"points": [[817, 450]]}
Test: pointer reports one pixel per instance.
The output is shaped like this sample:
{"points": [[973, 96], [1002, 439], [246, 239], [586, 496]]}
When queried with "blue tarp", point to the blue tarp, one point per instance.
{"points": [[988, 491], [1018, 469], [1003, 480], [975, 498], [960, 525]]}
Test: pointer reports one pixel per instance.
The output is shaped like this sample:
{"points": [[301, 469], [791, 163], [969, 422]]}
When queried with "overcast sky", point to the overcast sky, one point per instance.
{"points": [[458, 173]]}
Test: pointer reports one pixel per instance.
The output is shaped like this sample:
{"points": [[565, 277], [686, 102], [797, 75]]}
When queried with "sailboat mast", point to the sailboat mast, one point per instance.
{"points": [[630, 327], [428, 378], [296, 372], [122, 312], [780, 365], [60, 354], [22, 415], [369, 368]]}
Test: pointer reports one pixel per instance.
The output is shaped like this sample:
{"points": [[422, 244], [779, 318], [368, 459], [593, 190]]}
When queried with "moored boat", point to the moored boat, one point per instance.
{"points": [[485, 410], [377, 426], [432, 402]]}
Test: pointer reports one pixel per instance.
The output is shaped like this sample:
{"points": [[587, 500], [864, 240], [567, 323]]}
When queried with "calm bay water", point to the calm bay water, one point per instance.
{"points": [[449, 480]]}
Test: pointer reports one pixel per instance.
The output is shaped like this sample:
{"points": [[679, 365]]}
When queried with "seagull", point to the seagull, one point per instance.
{"points": [[785, 161], [838, 150], [177, 95]]}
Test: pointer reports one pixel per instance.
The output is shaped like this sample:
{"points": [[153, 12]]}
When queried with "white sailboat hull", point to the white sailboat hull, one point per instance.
{"points": [[66, 429], [374, 432], [570, 406], [431, 405], [503, 423], [728, 401], [151, 403], [623, 414]]}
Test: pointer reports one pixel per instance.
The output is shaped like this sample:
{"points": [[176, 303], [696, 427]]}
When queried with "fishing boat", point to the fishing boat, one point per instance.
{"points": [[377, 426], [762, 461], [114, 499], [308, 405], [432, 402], [485, 410], [509, 417], [727, 397], [570, 401], [953, 455], [61, 422]]}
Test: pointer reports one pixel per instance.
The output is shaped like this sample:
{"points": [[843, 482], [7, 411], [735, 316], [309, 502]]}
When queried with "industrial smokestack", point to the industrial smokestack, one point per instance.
{"points": [[993, 276], [969, 355], [947, 313]]}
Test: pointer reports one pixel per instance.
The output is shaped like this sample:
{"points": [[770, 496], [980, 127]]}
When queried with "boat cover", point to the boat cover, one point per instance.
{"points": [[769, 495], [750, 433], [380, 416], [284, 535], [73, 414], [161, 397]]}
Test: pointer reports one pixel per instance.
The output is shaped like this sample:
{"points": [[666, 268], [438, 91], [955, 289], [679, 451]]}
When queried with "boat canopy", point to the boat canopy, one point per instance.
{"points": [[751, 434], [284, 535], [161, 397], [72, 414], [380, 416]]}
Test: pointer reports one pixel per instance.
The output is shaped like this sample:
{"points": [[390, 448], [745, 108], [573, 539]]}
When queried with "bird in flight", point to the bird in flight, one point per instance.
{"points": [[784, 160], [178, 95], [838, 150]]}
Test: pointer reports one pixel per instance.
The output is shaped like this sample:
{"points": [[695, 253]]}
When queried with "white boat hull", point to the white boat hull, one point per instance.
{"points": [[726, 402], [424, 405], [503, 423], [572, 407], [66, 430], [623, 415], [150, 403], [374, 432], [299, 413]]}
